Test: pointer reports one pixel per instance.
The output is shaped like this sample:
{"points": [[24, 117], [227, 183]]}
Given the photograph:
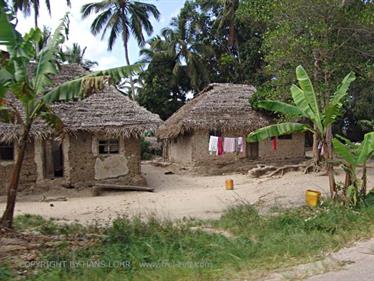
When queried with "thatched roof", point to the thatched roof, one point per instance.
{"points": [[108, 112], [222, 107]]}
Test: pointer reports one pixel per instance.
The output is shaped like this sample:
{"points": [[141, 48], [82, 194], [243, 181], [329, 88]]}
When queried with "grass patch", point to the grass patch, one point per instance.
{"points": [[44, 226], [163, 250], [5, 273]]}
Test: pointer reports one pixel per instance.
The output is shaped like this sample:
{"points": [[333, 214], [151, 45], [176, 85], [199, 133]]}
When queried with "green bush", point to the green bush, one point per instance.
{"points": [[145, 150]]}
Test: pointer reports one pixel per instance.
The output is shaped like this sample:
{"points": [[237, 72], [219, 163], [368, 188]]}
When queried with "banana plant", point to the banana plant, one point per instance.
{"points": [[306, 106], [26, 97], [352, 156]]}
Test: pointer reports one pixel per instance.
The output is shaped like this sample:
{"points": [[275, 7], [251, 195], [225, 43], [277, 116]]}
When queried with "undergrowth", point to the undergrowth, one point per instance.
{"points": [[163, 250]]}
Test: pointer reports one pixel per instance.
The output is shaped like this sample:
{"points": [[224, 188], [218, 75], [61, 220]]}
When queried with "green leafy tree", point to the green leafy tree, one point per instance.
{"points": [[34, 93], [327, 37], [122, 18], [306, 106], [163, 91]]}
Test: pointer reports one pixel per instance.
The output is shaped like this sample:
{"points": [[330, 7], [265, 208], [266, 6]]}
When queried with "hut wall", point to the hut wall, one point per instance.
{"points": [[180, 149], [286, 148], [122, 168], [133, 156], [81, 161], [200, 145], [194, 148], [28, 172]]}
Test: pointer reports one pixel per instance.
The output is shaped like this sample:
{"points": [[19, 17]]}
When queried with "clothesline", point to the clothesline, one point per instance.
{"points": [[220, 145]]}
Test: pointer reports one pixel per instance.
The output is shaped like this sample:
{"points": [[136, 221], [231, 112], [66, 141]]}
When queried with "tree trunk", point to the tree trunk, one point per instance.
{"points": [[316, 152], [232, 35], [128, 63], [347, 180], [36, 26], [7, 218], [328, 157], [364, 181]]}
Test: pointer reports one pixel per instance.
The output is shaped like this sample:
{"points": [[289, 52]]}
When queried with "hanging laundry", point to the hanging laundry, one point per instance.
{"points": [[213, 144], [229, 145], [240, 145], [274, 143], [220, 146]]}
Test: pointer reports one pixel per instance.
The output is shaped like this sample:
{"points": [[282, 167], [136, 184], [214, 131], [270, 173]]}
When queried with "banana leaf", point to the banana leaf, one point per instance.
{"points": [[309, 93], [280, 107], [276, 130]]}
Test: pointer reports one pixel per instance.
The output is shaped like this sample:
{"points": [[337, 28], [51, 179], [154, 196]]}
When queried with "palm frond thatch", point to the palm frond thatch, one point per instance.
{"points": [[219, 106], [107, 112]]}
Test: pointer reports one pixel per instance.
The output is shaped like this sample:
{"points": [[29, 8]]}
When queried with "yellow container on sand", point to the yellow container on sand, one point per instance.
{"points": [[229, 184], [312, 197]]}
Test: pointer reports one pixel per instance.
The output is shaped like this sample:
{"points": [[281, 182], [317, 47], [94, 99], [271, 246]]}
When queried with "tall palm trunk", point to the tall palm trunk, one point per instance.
{"points": [[7, 218], [125, 39], [36, 26], [131, 80]]}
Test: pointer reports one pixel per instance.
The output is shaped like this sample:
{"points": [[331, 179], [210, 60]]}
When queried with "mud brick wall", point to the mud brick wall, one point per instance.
{"points": [[28, 173], [81, 161], [180, 149], [286, 148]]}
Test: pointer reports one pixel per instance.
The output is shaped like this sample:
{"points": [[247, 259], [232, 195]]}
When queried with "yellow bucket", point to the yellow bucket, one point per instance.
{"points": [[229, 184], [312, 197]]}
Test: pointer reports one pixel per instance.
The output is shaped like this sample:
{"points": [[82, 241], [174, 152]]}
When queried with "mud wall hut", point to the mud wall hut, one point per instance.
{"points": [[223, 110], [101, 142]]}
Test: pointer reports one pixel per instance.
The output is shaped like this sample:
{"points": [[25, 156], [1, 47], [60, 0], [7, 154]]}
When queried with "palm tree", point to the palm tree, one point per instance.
{"points": [[75, 54], [175, 44], [27, 5], [122, 18], [226, 20], [30, 96], [307, 106]]}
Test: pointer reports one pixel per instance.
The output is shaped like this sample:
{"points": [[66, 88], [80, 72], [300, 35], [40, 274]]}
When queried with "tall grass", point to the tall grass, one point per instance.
{"points": [[164, 250]]}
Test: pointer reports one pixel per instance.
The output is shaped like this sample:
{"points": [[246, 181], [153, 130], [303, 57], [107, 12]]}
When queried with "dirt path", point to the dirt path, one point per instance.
{"points": [[348, 264], [178, 196]]}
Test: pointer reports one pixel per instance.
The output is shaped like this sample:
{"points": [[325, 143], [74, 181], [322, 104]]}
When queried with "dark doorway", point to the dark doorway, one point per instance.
{"points": [[253, 151], [53, 159]]}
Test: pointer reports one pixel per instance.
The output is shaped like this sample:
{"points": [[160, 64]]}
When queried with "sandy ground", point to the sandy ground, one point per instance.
{"points": [[204, 197], [178, 196]]}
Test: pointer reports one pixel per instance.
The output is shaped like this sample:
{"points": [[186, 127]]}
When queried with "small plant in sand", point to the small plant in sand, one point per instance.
{"points": [[351, 156]]}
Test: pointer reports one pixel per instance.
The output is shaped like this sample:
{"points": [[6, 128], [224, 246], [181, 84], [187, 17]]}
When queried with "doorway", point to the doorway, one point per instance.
{"points": [[253, 151], [53, 160]]}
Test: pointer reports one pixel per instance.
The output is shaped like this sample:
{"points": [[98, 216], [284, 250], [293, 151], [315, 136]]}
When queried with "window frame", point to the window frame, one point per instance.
{"points": [[285, 137], [11, 146], [110, 146]]}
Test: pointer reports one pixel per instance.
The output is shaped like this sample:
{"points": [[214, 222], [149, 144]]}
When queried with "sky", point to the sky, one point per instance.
{"points": [[80, 29]]}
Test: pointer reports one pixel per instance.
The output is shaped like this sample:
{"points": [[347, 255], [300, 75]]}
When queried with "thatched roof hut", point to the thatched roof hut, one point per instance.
{"points": [[101, 145], [222, 111], [108, 111], [222, 107]]}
